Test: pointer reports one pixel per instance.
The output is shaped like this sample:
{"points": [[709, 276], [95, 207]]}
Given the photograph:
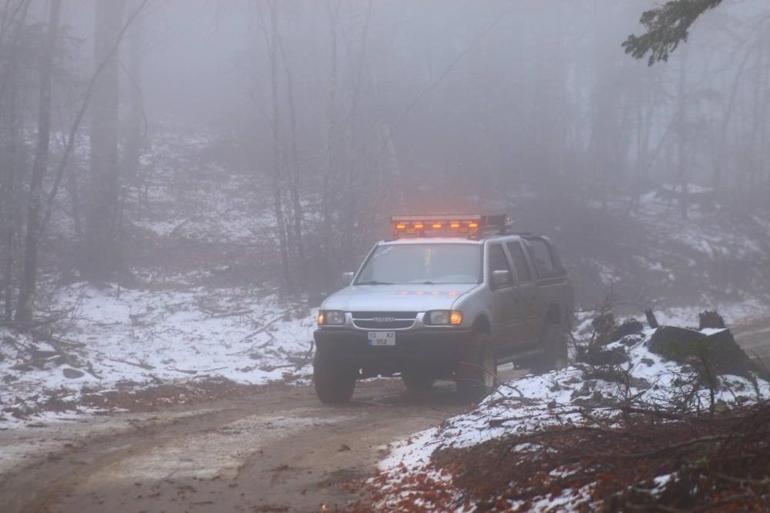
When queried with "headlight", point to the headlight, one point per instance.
{"points": [[331, 318], [444, 318]]}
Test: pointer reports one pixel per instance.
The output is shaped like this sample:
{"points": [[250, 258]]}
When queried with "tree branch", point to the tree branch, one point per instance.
{"points": [[666, 27]]}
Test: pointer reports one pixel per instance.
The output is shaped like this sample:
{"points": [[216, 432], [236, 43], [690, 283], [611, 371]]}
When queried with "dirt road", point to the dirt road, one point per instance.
{"points": [[277, 450], [274, 450]]}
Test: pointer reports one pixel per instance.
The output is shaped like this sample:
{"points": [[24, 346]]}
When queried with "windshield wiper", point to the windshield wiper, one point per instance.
{"points": [[373, 282]]}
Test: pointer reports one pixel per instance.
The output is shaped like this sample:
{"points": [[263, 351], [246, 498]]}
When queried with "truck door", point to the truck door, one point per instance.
{"points": [[505, 321], [525, 297], [550, 275]]}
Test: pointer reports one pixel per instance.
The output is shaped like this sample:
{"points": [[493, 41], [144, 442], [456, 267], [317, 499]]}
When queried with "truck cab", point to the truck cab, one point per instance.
{"points": [[447, 297]]}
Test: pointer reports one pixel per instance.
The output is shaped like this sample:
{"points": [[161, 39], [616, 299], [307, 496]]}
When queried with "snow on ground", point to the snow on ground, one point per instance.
{"points": [[719, 237], [185, 193], [112, 335], [557, 399], [191, 214]]}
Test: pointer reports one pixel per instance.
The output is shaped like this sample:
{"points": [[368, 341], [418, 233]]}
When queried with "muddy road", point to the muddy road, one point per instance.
{"points": [[276, 450]]}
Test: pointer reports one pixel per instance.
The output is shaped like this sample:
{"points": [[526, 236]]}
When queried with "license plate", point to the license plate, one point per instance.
{"points": [[382, 338]]}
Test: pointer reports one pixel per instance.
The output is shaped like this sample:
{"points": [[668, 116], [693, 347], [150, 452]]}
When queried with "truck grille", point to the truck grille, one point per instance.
{"points": [[384, 320]]}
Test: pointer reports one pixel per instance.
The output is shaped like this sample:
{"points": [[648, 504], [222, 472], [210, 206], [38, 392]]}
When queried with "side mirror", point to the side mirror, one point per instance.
{"points": [[501, 279], [347, 278]]}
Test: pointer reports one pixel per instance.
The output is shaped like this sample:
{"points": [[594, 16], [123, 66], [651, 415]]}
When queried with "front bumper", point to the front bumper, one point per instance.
{"points": [[427, 350]]}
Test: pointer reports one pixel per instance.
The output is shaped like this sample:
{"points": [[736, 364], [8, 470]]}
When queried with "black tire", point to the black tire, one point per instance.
{"points": [[477, 372], [416, 382], [554, 340], [334, 382]]}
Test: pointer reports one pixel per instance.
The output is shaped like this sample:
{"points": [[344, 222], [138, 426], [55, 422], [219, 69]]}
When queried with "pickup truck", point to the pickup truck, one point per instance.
{"points": [[448, 297]]}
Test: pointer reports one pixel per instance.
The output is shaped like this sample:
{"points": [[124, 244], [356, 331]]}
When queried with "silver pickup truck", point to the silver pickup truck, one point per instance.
{"points": [[449, 297]]}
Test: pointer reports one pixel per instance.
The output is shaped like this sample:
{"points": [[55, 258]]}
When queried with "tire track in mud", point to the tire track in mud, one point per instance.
{"points": [[38, 486], [276, 451]]}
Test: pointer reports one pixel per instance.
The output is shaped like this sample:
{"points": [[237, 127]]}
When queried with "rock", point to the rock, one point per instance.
{"points": [[710, 319], [72, 373], [630, 327], [597, 356], [651, 319], [717, 350]]}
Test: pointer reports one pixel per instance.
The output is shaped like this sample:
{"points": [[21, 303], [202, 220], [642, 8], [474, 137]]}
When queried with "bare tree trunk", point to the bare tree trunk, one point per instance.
{"points": [[28, 284], [136, 125], [352, 190], [294, 185], [14, 17], [101, 256], [644, 115], [8, 207], [682, 137], [9, 204], [328, 193], [9, 150], [723, 139], [74, 193], [275, 131], [764, 142], [757, 135]]}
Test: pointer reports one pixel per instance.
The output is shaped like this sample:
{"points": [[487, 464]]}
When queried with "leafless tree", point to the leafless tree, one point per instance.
{"points": [[39, 168], [101, 256]]}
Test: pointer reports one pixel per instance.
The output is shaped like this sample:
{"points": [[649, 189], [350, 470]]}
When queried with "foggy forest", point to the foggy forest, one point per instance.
{"points": [[183, 184]]}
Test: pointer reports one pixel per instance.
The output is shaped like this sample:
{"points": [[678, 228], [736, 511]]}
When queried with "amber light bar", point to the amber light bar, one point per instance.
{"points": [[449, 225]]}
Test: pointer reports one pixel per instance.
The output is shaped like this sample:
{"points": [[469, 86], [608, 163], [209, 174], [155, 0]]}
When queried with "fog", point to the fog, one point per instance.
{"points": [[202, 207], [339, 114]]}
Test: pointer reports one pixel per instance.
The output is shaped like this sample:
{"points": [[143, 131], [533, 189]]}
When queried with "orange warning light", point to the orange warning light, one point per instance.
{"points": [[451, 225]]}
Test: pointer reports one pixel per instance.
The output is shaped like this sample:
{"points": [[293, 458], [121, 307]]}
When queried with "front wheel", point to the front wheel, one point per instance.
{"points": [[334, 382], [477, 372]]}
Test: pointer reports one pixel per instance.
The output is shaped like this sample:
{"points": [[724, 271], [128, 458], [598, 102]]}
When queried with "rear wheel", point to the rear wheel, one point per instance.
{"points": [[334, 382], [477, 372], [554, 342]]}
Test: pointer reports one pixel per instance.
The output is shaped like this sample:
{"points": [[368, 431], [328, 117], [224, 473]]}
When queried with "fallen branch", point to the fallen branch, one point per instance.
{"points": [[141, 365], [254, 334], [230, 314]]}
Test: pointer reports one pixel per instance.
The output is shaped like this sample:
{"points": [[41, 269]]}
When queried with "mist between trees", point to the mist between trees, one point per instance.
{"points": [[343, 112]]}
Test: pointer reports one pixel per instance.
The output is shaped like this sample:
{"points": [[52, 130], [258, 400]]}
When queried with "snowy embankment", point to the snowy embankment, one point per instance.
{"points": [[114, 337], [511, 434]]}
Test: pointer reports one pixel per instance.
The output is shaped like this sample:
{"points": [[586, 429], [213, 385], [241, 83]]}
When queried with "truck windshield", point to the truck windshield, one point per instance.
{"points": [[422, 263]]}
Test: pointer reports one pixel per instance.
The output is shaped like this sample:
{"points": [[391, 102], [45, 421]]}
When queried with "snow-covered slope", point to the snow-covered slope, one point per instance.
{"points": [[413, 479], [112, 336]]}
